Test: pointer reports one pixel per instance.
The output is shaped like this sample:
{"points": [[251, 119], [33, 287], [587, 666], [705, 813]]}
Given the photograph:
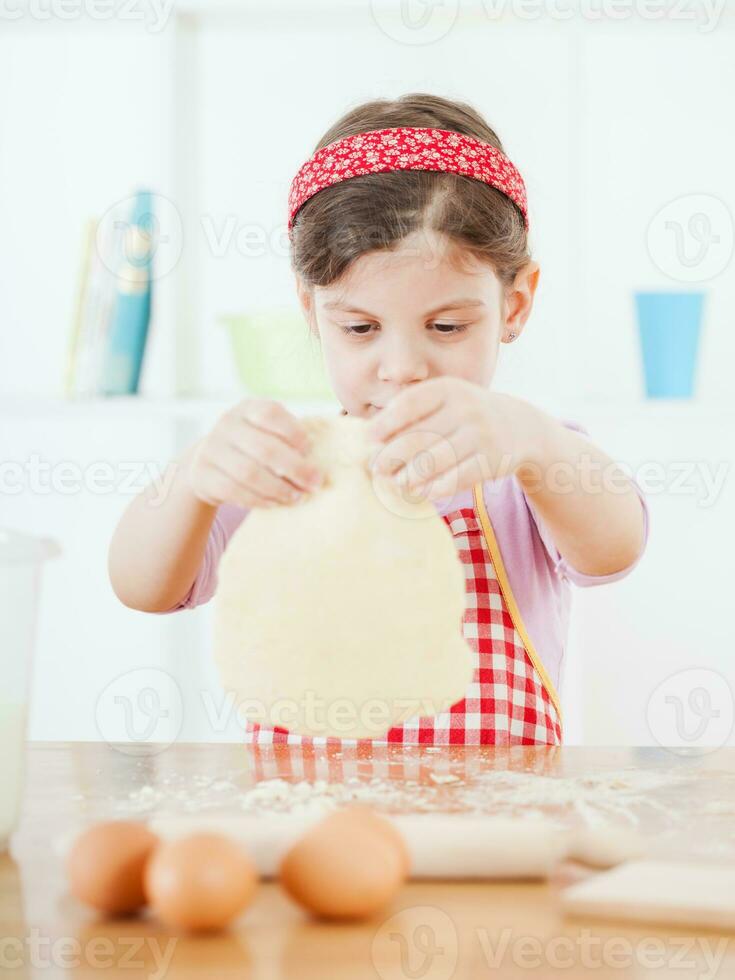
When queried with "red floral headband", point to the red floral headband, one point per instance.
{"points": [[406, 148]]}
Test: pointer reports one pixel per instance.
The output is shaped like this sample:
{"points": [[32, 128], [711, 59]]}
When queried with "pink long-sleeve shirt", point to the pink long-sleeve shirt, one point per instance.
{"points": [[539, 576]]}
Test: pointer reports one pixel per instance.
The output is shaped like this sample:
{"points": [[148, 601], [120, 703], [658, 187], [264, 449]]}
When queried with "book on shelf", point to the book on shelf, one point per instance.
{"points": [[112, 313]]}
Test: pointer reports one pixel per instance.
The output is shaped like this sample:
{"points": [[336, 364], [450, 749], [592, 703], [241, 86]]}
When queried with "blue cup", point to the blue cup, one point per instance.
{"points": [[669, 326]]}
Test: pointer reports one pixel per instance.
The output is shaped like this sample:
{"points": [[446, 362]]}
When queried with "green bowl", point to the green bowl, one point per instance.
{"points": [[277, 357]]}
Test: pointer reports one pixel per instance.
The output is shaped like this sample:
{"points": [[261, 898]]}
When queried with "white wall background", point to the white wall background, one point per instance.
{"points": [[607, 120]]}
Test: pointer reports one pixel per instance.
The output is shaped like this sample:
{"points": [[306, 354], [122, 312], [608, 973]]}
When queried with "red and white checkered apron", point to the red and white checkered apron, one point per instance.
{"points": [[510, 701]]}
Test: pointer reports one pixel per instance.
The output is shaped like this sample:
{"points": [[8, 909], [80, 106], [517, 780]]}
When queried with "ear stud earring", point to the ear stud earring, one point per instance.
{"points": [[511, 336]]}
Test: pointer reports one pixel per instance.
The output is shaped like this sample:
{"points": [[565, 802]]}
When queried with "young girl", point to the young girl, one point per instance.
{"points": [[408, 229]]}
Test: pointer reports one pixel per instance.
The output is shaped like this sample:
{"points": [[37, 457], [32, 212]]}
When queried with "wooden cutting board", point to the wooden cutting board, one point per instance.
{"points": [[677, 893]]}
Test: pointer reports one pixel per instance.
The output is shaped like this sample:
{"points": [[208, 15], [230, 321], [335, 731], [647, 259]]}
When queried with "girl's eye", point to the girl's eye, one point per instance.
{"points": [[362, 329]]}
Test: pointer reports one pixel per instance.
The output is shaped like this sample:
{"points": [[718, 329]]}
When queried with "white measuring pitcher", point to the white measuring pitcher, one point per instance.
{"points": [[21, 561]]}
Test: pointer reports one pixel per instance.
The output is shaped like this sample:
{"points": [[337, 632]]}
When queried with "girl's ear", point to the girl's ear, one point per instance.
{"points": [[519, 299]]}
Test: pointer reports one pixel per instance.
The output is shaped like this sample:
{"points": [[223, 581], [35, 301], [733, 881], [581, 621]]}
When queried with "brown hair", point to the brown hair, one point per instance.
{"points": [[377, 211]]}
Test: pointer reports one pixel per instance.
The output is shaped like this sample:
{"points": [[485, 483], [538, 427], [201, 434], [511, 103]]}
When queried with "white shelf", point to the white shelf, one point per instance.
{"points": [[659, 409], [139, 407], [194, 408], [538, 17]]}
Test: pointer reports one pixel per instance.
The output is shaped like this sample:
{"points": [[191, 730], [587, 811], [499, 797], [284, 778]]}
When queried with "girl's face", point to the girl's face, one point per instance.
{"points": [[404, 316]]}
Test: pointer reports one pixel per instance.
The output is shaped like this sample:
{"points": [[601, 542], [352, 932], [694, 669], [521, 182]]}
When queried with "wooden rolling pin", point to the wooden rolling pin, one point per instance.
{"points": [[440, 845]]}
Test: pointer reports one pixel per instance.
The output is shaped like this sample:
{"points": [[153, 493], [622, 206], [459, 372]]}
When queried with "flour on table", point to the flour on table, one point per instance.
{"points": [[589, 800], [604, 810]]}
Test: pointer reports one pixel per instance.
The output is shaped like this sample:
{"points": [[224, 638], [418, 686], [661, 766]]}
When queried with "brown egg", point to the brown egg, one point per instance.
{"points": [[383, 826], [200, 882], [348, 866], [106, 863]]}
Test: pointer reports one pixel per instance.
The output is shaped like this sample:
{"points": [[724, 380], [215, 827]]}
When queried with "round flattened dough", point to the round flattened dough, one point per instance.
{"points": [[342, 614]]}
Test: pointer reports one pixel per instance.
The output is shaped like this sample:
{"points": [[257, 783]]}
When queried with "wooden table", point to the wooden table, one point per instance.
{"points": [[433, 930]]}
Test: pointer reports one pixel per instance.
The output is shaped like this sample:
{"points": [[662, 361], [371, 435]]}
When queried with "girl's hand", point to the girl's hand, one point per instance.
{"points": [[446, 434], [255, 456]]}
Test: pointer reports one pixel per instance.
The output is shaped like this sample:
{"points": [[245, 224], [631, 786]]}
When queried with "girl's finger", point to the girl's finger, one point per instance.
{"points": [[407, 408], [403, 447], [443, 455], [461, 477], [249, 474], [271, 416], [272, 452], [220, 487]]}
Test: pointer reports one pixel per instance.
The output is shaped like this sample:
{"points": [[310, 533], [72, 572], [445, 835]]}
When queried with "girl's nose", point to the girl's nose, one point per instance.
{"points": [[402, 365]]}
